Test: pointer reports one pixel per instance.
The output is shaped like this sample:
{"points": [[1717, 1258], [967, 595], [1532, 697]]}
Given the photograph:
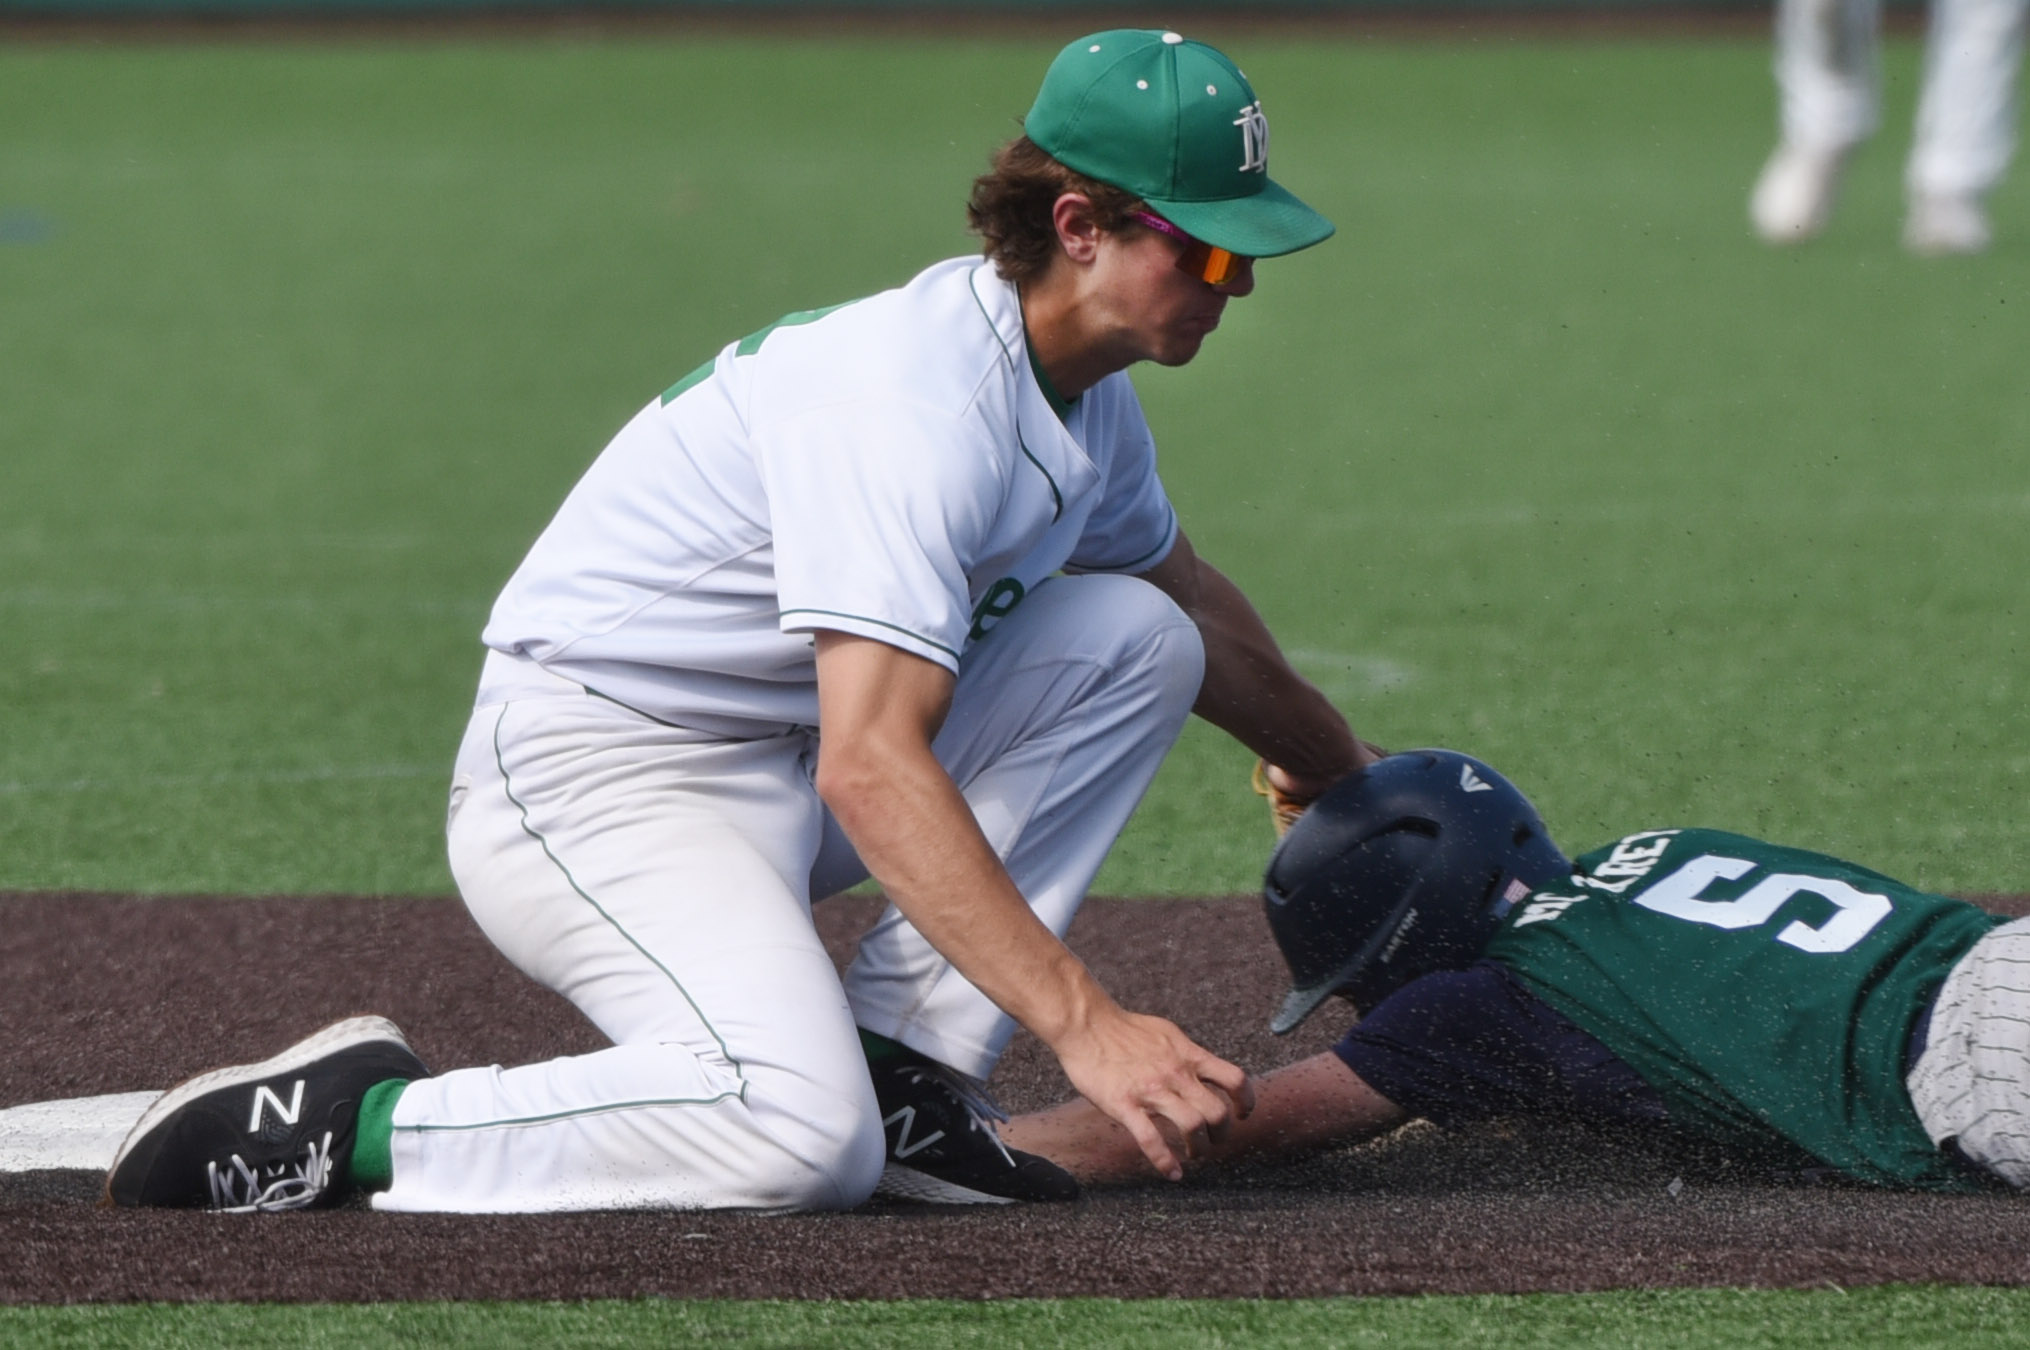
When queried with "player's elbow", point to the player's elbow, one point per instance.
{"points": [[850, 776], [861, 775]]}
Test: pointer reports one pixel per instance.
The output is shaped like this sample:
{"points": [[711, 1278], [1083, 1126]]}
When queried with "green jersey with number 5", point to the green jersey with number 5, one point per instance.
{"points": [[1768, 994]]}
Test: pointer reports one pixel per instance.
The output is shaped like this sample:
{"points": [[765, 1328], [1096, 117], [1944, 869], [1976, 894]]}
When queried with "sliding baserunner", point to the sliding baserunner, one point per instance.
{"points": [[1791, 1006]]}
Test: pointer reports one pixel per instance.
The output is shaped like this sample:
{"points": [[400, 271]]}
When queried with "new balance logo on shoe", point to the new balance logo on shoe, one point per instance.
{"points": [[1472, 781], [265, 1096], [942, 1149], [904, 1145]]}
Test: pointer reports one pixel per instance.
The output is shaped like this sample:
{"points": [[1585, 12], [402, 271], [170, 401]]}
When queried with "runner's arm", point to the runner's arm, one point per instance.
{"points": [[1307, 1105]]}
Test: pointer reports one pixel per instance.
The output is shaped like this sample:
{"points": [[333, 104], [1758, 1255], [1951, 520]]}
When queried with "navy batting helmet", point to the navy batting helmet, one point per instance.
{"points": [[1401, 869]]}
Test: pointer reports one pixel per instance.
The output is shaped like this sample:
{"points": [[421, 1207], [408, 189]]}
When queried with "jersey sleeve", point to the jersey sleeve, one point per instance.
{"points": [[1134, 525], [1465, 1045], [876, 507]]}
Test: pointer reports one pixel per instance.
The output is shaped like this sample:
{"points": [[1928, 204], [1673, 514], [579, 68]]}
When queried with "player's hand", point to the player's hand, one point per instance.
{"points": [[1286, 798], [1174, 1097], [1289, 794]]}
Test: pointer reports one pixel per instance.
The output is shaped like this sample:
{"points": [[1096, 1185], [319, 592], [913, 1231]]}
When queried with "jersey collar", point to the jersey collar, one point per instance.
{"points": [[1058, 403], [1001, 302]]}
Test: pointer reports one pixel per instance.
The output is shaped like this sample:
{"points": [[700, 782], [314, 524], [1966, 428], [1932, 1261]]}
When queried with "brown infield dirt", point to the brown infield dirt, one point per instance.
{"points": [[123, 993]]}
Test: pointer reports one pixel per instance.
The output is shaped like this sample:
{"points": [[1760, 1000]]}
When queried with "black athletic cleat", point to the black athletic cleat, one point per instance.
{"points": [[942, 1147], [268, 1136]]}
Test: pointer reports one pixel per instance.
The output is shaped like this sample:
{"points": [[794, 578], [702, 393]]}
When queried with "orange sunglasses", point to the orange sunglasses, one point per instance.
{"points": [[1212, 265]]}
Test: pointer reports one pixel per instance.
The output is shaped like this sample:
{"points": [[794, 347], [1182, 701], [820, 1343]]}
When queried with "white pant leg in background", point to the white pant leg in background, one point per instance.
{"points": [[1966, 113], [1061, 716], [1827, 71], [657, 879]]}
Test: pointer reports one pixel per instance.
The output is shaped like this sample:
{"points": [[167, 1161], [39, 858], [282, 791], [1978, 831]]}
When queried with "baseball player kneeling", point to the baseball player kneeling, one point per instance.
{"points": [[889, 588], [1797, 1009]]}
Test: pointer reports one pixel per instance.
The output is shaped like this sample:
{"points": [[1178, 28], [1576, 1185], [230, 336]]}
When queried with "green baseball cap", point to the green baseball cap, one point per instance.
{"points": [[1177, 124]]}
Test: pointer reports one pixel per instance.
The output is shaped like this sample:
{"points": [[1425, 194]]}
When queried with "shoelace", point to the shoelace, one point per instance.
{"points": [[239, 1189], [981, 1108]]}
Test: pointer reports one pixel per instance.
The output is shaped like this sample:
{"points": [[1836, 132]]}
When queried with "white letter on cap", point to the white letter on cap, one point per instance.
{"points": [[1254, 138]]}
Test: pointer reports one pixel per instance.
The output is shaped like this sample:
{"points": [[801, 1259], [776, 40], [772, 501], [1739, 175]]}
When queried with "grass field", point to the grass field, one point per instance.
{"points": [[1718, 1319], [1542, 457]]}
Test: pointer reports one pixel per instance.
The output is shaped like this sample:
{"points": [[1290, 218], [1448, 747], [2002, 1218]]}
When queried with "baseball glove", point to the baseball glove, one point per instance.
{"points": [[1283, 807]]}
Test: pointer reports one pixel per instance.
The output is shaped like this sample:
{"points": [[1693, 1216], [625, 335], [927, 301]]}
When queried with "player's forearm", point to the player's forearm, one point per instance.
{"points": [[919, 840], [1253, 694], [879, 708], [1250, 690]]}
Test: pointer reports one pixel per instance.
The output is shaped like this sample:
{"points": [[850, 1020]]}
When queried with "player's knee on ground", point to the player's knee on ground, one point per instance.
{"points": [[828, 1147]]}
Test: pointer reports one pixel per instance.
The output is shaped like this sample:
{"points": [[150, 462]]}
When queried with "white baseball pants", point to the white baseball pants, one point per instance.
{"points": [[662, 880], [1828, 78]]}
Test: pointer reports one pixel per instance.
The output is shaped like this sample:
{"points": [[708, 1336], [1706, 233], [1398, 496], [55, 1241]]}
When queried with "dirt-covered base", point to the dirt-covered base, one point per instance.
{"points": [[115, 994]]}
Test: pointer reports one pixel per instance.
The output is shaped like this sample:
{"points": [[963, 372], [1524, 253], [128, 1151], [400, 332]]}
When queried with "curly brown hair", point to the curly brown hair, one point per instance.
{"points": [[1010, 208]]}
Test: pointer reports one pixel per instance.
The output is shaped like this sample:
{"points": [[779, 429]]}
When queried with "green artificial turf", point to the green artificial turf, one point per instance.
{"points": [[1543, 456], [1967, 1319]]}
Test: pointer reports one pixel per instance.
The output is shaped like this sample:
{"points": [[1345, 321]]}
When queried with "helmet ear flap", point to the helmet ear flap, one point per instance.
{"points": [[1326, 956], [1402, 869]]}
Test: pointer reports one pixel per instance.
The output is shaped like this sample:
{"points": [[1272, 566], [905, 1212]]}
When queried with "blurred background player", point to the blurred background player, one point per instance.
{"points": [[1828, 80], [1794, 1008], [891, 588]]}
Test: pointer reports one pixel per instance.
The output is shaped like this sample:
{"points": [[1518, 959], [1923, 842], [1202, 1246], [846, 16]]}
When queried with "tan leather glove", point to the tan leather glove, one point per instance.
{"points": [[1283, 808]]}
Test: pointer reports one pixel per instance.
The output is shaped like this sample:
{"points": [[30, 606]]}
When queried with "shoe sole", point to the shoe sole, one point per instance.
{"points": [[338, 1036], [906, 1183]]}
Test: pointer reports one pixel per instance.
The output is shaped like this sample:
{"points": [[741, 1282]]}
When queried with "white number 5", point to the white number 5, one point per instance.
{"points": [[1857, 911]]}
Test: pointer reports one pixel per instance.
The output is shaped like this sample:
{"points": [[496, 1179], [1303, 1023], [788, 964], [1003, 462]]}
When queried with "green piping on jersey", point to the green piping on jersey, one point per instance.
{"points": [[878, 623], [1169, 541], [674, 726], [507, 788], [1059, 404], [749, 345], [981, 305], [1050, 395], [1056, 497]]}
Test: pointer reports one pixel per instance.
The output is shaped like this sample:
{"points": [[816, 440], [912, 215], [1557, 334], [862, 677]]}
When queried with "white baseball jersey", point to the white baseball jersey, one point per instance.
{"points": [[891, 467]]}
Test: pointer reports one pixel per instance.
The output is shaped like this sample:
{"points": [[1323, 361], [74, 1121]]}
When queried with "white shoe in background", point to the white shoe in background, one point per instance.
{"points": [[1941, 224], [1793, 199]]}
